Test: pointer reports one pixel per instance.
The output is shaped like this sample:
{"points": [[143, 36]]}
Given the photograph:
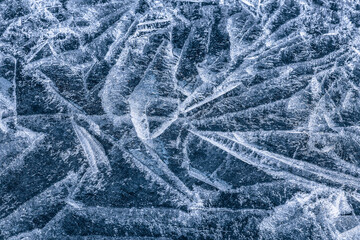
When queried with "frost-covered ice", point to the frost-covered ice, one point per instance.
{"points": [[180, 119]]}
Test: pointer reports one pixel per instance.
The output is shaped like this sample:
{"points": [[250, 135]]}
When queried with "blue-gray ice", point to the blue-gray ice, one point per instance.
{"points": [[180, 119]]}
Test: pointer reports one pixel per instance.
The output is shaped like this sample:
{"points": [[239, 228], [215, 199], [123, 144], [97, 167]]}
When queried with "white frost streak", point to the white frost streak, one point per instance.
{"points": [[275, 164], [92, 148], [52, 89], [153, 165]]}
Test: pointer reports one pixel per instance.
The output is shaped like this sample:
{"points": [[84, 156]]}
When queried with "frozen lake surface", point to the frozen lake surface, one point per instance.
{"points": [[179, 119]]}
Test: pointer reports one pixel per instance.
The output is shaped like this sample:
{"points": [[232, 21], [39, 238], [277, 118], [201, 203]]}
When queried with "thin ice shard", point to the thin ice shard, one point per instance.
{"points": [[94, 152]]}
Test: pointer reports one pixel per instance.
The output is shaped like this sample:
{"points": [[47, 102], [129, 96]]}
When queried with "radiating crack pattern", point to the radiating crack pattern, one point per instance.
{"points": [[179, 119]]}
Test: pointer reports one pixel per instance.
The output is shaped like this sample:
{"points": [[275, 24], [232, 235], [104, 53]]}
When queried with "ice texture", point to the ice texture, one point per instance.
{"points": [[180, 119]]}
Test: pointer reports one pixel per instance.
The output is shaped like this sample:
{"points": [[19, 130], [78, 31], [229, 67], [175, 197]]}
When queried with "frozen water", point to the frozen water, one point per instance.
{"points": [[179, 119]]}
